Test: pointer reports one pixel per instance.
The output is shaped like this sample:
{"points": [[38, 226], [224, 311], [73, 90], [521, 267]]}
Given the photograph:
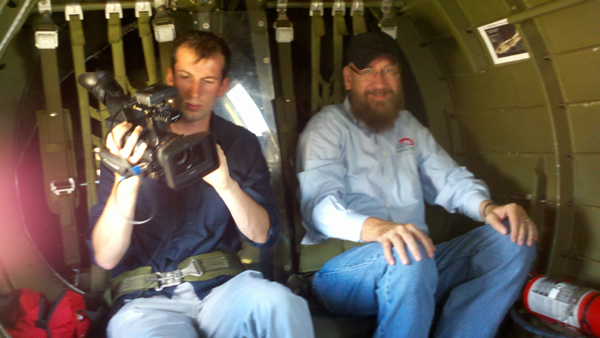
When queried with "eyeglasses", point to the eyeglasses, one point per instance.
{"points": [[369, 74]]}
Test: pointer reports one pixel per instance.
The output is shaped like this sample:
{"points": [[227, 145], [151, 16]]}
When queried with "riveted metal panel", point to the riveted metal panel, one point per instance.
{"points": [[584, 120], [450, 57], [513, 85], [508, 130], [571, 28], [511, 175], [582, 270], [586, 175], [435, 92], [586, 233], [579, 75], [472, 50], [532, 3], [427, 18], [476, 13]]}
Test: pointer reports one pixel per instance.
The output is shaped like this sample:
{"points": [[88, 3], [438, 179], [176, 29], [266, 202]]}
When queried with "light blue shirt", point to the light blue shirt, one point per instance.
{"points": [[348, 173]]}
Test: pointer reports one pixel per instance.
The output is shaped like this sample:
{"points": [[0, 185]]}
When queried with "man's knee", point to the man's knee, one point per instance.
{"points": [[415, 275], [266, 296], [133, 322], [519, 256]]}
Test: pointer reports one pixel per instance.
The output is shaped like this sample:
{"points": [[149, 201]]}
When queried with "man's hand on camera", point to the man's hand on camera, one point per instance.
{"points": [[114, 140], [397, 236], [220, 179]]}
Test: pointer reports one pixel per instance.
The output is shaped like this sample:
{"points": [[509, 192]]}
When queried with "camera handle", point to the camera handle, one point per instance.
{"points": [[113, 162]]}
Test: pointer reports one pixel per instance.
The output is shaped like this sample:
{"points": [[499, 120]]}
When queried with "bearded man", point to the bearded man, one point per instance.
{"points": [[365, 169]]}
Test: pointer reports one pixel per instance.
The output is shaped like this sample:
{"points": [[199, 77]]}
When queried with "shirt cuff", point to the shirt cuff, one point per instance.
{"points": [[333, 221], [355, 224], [472, 206]]}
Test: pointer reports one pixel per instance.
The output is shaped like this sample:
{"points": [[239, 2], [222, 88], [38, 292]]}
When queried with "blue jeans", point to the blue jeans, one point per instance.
{"points": [[245, 306], [473, 280]]}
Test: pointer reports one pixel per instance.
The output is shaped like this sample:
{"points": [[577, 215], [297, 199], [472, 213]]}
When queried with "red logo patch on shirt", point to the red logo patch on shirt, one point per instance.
{"points": [[404, 144], [407, 141]]}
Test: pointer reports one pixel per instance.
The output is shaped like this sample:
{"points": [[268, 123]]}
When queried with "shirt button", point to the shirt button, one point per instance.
{"points": [[387, 205], [385, 152]]}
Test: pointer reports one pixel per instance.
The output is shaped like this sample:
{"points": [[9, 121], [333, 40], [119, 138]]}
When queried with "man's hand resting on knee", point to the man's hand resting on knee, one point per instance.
{"points": [[522, 228], [398, 236]]}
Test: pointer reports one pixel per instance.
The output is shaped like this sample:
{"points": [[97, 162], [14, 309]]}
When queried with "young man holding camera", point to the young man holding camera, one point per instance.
{"points": [[203, 222]]}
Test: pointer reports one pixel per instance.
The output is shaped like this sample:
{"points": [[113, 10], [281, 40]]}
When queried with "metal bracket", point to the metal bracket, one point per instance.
{"points": [[316, 6], [65, 187], [173, 278], [282, 5], [358, 6], [45, 6], [164, 27], [387, 23], [284, 29], [164, 32], [113, 7], [158, 3], [142, 6], [386, 6], [73, 8], [46, 35], [46, 39], [338, 6]]}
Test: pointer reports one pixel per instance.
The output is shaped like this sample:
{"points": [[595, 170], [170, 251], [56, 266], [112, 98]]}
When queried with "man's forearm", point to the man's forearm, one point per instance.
{"points": [[372, 229], [112, 233], [251, 218]]}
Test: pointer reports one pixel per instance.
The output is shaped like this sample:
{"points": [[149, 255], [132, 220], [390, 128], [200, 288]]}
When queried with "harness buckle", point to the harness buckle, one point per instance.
{"points": [[64, 187], [173, 278]]}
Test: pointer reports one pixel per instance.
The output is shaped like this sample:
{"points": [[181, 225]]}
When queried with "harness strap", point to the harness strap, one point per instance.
{"points": [[196, 268], [115, 37], [77, 45], [56, 142], [318, 31], [145, 32], [358, 20], [339, 30]]}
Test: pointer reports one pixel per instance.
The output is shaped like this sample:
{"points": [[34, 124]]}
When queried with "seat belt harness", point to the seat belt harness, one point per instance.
{"points": [[196, 268]]}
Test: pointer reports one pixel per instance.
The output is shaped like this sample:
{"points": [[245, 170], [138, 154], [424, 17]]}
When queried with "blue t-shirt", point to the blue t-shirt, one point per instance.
{"points": [[193, 220]]}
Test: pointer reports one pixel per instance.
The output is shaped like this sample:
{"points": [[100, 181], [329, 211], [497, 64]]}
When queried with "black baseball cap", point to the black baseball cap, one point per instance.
{"points": [[364, 48]]}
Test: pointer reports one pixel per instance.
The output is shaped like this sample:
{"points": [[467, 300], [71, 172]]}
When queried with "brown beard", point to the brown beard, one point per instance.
{"points": [[377, 116]]}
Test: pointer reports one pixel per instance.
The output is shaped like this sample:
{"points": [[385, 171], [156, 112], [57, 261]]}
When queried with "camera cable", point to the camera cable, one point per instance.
{"points": [[131, 171]]}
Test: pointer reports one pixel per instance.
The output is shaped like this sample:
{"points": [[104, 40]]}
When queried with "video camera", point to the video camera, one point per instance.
{"points": [[182, 160]]}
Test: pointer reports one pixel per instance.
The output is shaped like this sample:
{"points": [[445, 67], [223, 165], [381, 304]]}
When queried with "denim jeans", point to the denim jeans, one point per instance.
{"points": [[472, 282], [245, 306]]}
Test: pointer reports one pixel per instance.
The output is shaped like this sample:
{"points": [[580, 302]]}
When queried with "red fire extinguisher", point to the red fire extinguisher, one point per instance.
{"points": [[564, 302]]}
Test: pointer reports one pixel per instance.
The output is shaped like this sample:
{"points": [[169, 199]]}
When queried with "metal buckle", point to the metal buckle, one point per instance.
{"points": [[73, 9], [173, 278], [142, 6], [45, 6], [316, 6], [113, 7], [284, 29], [60, 188], [46, 39], [164, 26], [387, 23], [358, 6], [339, 6]]}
